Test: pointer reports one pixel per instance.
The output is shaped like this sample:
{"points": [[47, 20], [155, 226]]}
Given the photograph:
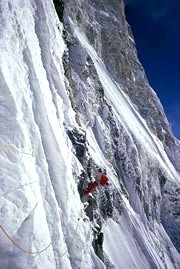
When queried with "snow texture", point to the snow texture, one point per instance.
{"points": [[49, 86]]}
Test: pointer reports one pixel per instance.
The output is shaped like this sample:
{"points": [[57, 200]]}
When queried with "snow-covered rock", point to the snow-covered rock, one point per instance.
{"points": [[74, 98]]}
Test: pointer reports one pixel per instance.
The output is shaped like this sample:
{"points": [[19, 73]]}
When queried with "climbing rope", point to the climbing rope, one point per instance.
{"points": [[37, 252], [19, 247], [9, 148], [20, 187], [12, 149]]}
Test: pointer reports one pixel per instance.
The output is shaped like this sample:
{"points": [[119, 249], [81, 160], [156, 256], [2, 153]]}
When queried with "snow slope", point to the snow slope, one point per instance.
{"points": [[39, 201], [34, 104]]}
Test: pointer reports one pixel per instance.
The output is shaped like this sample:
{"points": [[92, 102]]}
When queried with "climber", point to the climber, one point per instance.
{"points": [[101, 179], [90, 188]]}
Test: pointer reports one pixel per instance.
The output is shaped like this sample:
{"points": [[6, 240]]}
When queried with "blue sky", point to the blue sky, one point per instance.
{"points": [[155, 26]]}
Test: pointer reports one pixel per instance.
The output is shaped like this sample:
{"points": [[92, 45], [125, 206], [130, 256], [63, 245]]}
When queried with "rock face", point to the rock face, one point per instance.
{"points": [[106, 30], [74, 99]]}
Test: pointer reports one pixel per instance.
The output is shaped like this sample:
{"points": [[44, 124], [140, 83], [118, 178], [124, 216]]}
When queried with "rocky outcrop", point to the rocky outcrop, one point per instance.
{"points": [[103, 24]]}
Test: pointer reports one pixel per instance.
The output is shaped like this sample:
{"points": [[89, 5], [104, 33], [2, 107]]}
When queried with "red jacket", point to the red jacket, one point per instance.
{"points": [[103, 180], [90, 189]]}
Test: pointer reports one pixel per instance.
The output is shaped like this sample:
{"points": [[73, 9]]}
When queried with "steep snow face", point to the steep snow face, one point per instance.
{"points": [[64, 110], [39, 199]]}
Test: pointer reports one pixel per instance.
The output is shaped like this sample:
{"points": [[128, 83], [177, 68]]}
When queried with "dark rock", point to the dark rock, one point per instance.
{"points": [[78, 140], [59, 6], [91, 207], [81, 183], [98, 245]]}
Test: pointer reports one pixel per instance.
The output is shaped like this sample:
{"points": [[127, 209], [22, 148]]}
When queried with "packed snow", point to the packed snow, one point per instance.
{"points": [[40, 206]]}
